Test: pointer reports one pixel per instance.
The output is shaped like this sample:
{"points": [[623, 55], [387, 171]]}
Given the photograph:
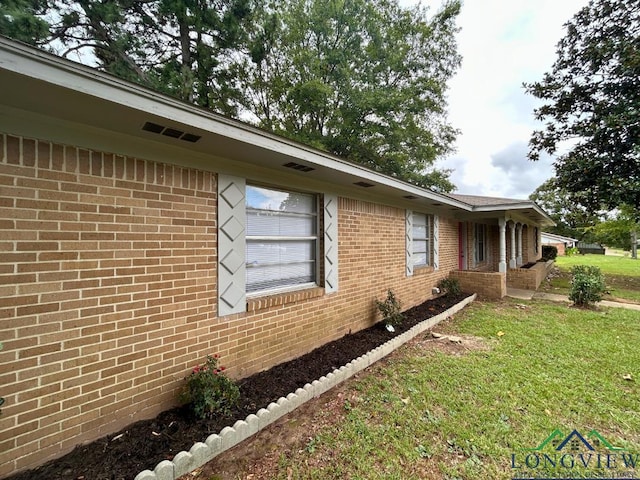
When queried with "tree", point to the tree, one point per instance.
{"points": [[592, 106], [617, 230], [363, 79], [22, 20], [180, 47], [571, 218]]}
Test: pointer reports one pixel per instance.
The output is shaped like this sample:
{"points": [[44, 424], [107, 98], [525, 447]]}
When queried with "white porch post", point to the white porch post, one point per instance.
{"points": [[519, 251], [512, 257], [502, 266]]}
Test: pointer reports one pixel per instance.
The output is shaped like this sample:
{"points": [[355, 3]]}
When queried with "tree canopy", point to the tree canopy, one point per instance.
{"points": [[571, 218], [592, 106], [362, 79]]}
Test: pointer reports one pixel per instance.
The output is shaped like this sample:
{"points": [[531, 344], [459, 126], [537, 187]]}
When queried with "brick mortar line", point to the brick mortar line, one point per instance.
{"points": [[203, 452]]}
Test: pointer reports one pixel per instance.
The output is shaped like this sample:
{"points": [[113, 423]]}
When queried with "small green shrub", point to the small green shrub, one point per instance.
{"points": [[390, 309], [209, 391], [587, 285], [549, 252], [450, 286], [571, 251]]}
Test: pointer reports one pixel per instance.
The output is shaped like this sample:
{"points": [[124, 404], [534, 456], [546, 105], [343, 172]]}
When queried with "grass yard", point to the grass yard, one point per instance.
{"points": [[461, 413], [622, 276]]}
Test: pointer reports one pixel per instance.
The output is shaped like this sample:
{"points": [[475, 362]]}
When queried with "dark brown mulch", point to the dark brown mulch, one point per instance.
{"points": [[142, 445]]}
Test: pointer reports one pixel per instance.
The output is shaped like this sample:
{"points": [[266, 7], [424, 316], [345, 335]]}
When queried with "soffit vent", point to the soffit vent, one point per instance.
{"points": [[410, 197], [170, 132], [299, 167], [437, 204], [364, 184]]}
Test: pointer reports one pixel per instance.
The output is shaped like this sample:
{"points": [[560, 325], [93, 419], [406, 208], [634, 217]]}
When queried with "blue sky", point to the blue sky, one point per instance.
{"points": [[503, 43]]}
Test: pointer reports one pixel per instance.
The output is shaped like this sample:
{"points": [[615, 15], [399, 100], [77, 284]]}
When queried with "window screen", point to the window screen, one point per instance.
{"points": [[281, 238]]}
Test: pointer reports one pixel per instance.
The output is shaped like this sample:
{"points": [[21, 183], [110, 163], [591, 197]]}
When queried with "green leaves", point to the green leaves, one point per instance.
{"points": [[587, 285], [20, 19], [592, 99], [360, 79]]}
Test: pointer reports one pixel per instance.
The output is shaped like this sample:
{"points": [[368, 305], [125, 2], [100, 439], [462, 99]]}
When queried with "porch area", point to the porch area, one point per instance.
{"points": [[498, 253], [497, 284]]}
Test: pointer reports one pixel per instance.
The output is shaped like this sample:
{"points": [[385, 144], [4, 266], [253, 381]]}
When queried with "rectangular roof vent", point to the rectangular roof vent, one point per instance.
{"points": [[170, 132], [299, 167], [364, 184]]}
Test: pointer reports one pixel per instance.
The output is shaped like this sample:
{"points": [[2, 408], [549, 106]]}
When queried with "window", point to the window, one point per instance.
{"points": [[421, 239], [480, 243], [282, 239]]}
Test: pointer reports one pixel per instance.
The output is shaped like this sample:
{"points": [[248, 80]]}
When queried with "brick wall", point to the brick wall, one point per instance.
{"points": [[486, 284], [107, 281], [528, 278], [108, 292]]}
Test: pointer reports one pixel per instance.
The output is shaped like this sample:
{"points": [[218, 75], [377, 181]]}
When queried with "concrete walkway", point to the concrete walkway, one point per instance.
{"points": [[530, 294]]}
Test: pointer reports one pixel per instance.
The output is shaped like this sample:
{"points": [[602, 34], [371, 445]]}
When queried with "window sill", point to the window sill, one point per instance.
{"points": [[423, 270], [263, 302]]}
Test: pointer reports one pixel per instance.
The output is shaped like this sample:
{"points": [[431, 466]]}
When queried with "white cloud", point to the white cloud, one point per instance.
{"points": [[503, 43]]}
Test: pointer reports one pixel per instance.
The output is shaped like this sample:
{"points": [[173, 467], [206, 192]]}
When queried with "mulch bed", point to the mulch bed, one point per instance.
{"points": [[144, 444]]}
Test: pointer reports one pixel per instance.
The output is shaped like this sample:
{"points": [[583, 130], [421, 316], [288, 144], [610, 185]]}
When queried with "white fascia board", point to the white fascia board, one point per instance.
{"points": [[546, 220], [28, 61]]}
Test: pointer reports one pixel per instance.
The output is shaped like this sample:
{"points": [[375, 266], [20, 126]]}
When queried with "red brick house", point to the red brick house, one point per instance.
{"points": [[139, 234]]}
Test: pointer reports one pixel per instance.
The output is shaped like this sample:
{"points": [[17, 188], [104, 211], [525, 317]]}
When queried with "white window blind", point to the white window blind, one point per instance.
{"points": [[282, 238], [421, 239]]}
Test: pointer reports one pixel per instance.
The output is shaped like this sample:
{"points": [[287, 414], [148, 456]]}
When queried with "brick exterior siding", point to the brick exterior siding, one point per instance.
{"points": [[108, 270]]}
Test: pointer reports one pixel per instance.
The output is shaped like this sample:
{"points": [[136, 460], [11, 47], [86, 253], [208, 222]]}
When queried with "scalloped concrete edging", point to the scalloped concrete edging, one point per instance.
{"points": [[203, 452]]}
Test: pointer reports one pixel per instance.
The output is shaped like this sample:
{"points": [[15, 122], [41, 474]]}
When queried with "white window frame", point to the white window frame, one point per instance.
{"points": [[480, 243], [252, 293], [427, 240]]}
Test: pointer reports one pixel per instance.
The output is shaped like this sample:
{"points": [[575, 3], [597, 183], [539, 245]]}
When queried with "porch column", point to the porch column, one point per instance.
{"points": [[502, 266], [519, 251], [512, 257]]}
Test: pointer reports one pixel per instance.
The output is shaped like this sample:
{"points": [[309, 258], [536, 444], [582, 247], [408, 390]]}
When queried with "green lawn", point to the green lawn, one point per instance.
{"points": [[610, 265], [622, 275], [428, 413]]}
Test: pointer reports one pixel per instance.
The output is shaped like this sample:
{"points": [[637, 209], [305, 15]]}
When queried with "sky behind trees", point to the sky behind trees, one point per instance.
{"points": [[503, 43]]}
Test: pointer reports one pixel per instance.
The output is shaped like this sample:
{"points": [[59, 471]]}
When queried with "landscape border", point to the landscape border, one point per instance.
{"points": [[203, 452]]}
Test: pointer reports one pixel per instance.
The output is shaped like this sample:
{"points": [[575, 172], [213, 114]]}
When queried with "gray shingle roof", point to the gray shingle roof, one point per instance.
{"points": [[478, 201]]}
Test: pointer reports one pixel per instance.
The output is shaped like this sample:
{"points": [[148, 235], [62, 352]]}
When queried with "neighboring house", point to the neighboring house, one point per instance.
{"points": [[559, 241], [139, 233]]}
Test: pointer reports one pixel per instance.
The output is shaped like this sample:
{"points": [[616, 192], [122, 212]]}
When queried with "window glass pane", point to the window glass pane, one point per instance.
{"points": [[276, 254], [420, 259], [419, 219], [275, 264], [274, 276], [279, 201], [266, 223], [419, 231], [420, 246], [272, 252]]}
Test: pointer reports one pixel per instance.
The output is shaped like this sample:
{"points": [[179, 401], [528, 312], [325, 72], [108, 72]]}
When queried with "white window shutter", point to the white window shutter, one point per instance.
{"points": [[408, 224], [436, 243], [232, 222], [330, 243]]}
